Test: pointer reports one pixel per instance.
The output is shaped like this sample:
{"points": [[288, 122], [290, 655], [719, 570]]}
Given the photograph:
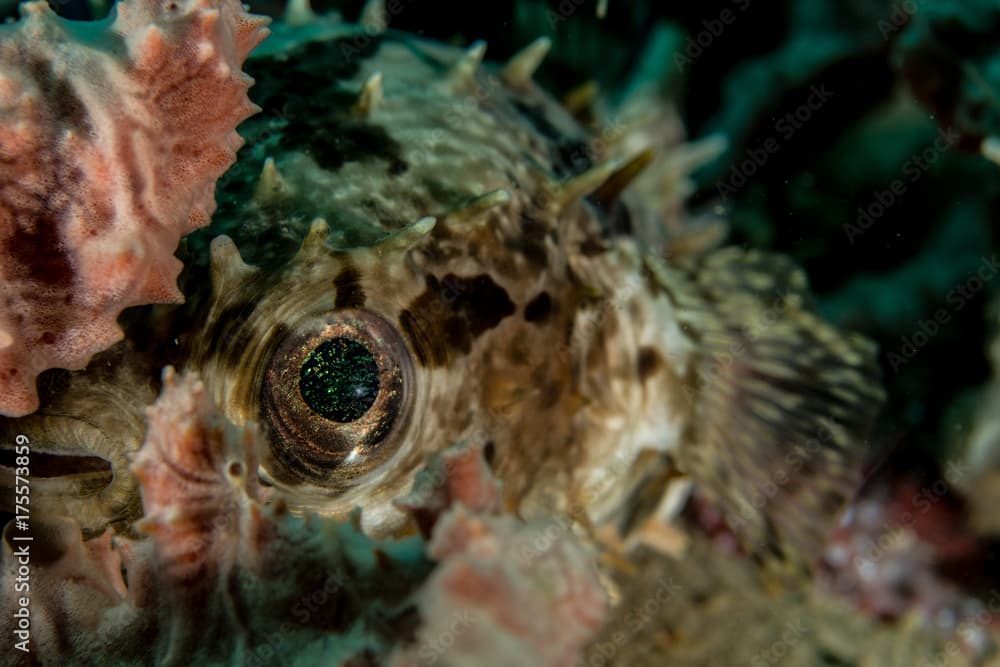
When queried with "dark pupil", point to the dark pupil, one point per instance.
{"points": [[339, 380]]}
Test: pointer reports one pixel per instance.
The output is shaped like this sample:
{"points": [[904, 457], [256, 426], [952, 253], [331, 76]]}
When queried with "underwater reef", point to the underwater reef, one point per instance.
{"points": [[537, 333]]}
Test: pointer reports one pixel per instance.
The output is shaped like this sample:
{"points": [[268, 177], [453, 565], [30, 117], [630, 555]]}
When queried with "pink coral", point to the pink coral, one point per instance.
{"points": [[112, 135], [504, 592], [460, 474], [70, 586], [199, 483]]}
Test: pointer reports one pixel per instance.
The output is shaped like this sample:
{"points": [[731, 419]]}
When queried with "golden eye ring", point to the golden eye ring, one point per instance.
{"points": [[337, 395]]}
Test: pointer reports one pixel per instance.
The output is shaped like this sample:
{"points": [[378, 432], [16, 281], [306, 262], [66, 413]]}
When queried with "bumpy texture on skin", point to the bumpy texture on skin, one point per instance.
{"points": [[112, 135]]}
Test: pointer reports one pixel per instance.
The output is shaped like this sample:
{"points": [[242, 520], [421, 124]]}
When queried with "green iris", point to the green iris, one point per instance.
{"points": [[339, 380]]}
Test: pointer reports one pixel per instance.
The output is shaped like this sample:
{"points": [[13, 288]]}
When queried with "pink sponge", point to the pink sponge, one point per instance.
{"points": [[112, 136]]}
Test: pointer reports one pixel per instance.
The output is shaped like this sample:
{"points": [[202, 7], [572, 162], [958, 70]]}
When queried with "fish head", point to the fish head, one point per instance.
{"points": [[511, 322], [475, 274]]}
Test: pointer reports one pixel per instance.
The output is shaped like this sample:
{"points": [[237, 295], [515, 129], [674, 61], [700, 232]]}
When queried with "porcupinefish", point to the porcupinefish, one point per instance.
{"points": [[435, 250]]}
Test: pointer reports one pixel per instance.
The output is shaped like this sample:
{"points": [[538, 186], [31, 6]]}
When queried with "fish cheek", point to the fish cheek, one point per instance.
{"points": [[528, 406]]}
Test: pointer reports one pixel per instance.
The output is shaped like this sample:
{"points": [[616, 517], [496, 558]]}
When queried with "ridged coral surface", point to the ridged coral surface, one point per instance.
{"points": [[112, 135]]}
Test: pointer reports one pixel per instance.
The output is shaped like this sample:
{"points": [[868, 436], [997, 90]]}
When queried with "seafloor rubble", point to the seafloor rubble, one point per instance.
{"points": [[707, 608]]}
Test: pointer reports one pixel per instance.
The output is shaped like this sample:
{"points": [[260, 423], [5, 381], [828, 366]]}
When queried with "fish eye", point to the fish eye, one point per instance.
{"points": [[337, 395]]}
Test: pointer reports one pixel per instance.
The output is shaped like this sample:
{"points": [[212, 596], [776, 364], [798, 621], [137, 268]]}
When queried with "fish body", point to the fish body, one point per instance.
{"points": [[417, 248], [482, 247]]}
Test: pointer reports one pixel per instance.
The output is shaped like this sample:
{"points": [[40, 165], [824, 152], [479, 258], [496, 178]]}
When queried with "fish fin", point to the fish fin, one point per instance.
{"points": [[782, 403]]}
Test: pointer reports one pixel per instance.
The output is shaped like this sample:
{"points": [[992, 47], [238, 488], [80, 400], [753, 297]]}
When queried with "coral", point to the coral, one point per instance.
{"points": [[85, 598], [491, 570], [186, 435], [112, 135], [225, 576], [265, 579], [459, 474], [505, 593]]}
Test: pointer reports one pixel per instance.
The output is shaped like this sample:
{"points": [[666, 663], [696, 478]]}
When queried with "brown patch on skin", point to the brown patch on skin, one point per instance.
{"points": [[530, 244], [349, 292], [592, 247], [648, 363], [551, 395], [428, 353], [528, 388], [451, 314], [539, 309]]}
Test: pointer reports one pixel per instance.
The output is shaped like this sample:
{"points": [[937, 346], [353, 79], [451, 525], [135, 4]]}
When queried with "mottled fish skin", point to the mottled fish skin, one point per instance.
{"points": [[459, 223], [456, 224]]}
